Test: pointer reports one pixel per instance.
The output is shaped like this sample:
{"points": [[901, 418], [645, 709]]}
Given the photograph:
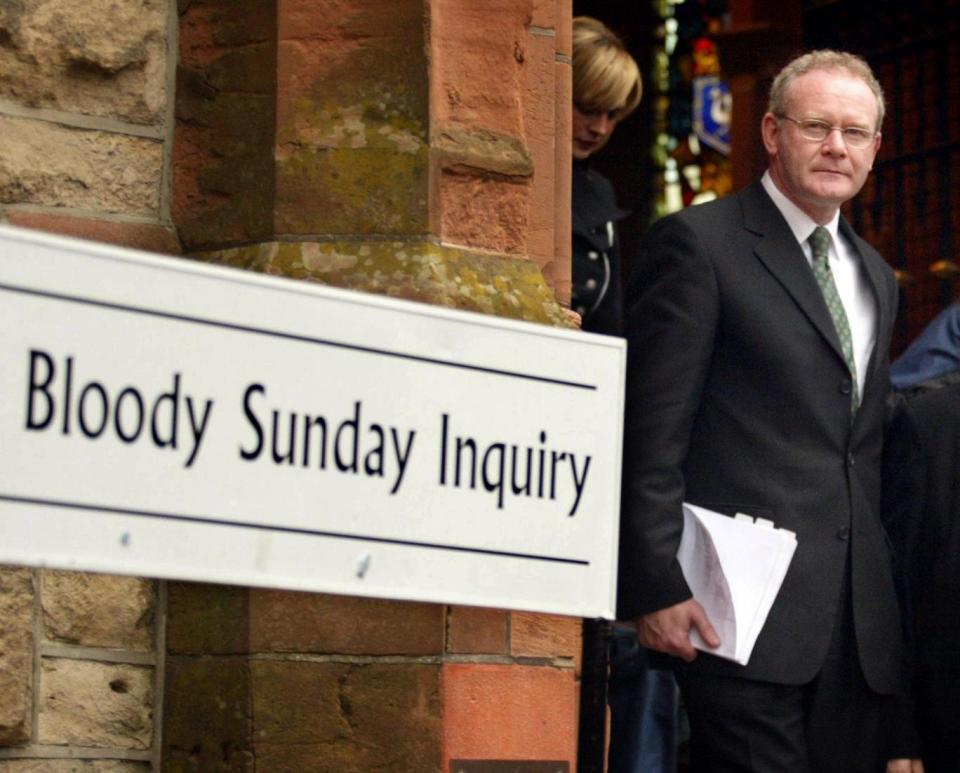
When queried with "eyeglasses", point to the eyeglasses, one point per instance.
{"points": [[818, 131]]}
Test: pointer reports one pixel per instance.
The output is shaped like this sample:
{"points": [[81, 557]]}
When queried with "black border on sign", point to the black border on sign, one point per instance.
{"points": [[293, 336], [285, 529]]}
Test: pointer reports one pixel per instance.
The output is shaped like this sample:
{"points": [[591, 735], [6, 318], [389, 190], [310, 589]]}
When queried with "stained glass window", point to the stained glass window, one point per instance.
{"points": [[692, 106]]}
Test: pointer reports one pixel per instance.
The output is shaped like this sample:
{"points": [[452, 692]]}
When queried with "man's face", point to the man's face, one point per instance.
{"points": [[818, 176], [591, 130]]}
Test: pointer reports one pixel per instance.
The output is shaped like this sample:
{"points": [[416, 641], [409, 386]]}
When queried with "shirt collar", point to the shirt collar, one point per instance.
{"points": [[801, 224]]}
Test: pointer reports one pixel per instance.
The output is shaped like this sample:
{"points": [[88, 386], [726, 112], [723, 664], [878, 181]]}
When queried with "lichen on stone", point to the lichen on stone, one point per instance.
{"points": [[416, 270]]}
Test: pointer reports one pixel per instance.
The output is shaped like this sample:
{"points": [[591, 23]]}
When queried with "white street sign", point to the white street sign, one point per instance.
{"points": [[165, 418]]}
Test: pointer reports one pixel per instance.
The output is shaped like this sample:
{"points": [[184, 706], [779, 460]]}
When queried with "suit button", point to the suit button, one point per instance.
{"points": [[593, 255], [580, 310], [591, 284], [845, 386], [844, 533], [850, 460]]}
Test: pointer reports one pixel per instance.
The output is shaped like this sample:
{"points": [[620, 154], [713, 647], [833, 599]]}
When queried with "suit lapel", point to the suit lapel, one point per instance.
{"points": [[778, 250]]}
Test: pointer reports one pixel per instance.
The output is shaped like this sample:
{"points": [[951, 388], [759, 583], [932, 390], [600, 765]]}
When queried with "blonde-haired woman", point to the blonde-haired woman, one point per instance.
{"points": [[606, 89]]}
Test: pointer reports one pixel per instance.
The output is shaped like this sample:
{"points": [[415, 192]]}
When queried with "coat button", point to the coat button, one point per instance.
{"points": [[850, 460], [591, 284], [846, 386], [844, 533], [581, 310], [593, 255]]}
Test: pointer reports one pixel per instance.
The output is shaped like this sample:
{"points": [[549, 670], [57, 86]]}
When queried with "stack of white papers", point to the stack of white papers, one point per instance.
{"points": [[734, 567]]}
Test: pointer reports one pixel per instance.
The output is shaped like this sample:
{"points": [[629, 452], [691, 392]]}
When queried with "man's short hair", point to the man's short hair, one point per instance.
{"points": [[824, 59]]}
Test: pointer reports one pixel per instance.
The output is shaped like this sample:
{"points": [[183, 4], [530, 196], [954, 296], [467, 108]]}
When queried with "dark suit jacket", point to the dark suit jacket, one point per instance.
{"points": [[922, 508], [922, 512], [738, 400]]}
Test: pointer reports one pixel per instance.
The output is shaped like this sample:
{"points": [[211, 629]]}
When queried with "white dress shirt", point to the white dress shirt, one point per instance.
{"points": [[852, 284]]}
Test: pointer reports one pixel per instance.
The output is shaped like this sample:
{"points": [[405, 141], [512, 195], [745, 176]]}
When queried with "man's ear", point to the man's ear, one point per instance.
{"points": [[770, 130], [876, 149]]}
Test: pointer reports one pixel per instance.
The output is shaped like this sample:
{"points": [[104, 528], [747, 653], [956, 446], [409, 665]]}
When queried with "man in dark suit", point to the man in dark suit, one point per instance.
{"points": [[757, 381], [922, 505]]}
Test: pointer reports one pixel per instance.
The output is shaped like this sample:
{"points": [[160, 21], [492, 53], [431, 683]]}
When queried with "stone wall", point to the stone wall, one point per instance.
{"points": [[80, 673], [85, 116], [415, 148], [86, 122], [405, 147], [278, 681]]}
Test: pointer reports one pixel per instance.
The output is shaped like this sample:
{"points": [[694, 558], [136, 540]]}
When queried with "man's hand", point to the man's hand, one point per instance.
{"points": [[904, 766], [668, 630]]}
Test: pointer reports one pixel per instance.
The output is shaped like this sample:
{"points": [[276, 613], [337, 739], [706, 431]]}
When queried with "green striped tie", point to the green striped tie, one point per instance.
{"points": [[820, 244]]}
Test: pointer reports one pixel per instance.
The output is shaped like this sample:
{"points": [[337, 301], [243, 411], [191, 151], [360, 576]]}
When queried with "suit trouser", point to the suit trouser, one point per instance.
{"points": [[833, 724]]}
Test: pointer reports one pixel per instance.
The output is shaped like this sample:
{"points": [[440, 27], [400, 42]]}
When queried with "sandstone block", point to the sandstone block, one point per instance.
{"points": [[299, 703], [352, 118], [351, 190], [564, 27], [95, 704], [95, 57], [226, 122], [73, 766], [399, 703], [541, 137], [142, 236], [477, 60], [352, 80], [509, 712], [98, 610], [476, 631], [557, 272], [41, 163], [283, 621], [207, 716], [208, 619], [206, 32], [483, 151], [533, 634], [223, 160], [340, 718], [485, 212], [16, 654], [544, 13]]}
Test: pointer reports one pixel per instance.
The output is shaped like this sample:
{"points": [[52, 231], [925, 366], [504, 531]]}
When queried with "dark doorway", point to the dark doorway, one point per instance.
{"points": [[627, 161]]}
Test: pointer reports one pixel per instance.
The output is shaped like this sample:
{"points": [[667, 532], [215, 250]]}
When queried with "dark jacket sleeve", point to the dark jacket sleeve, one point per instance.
{"points": [[672, 309]]}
